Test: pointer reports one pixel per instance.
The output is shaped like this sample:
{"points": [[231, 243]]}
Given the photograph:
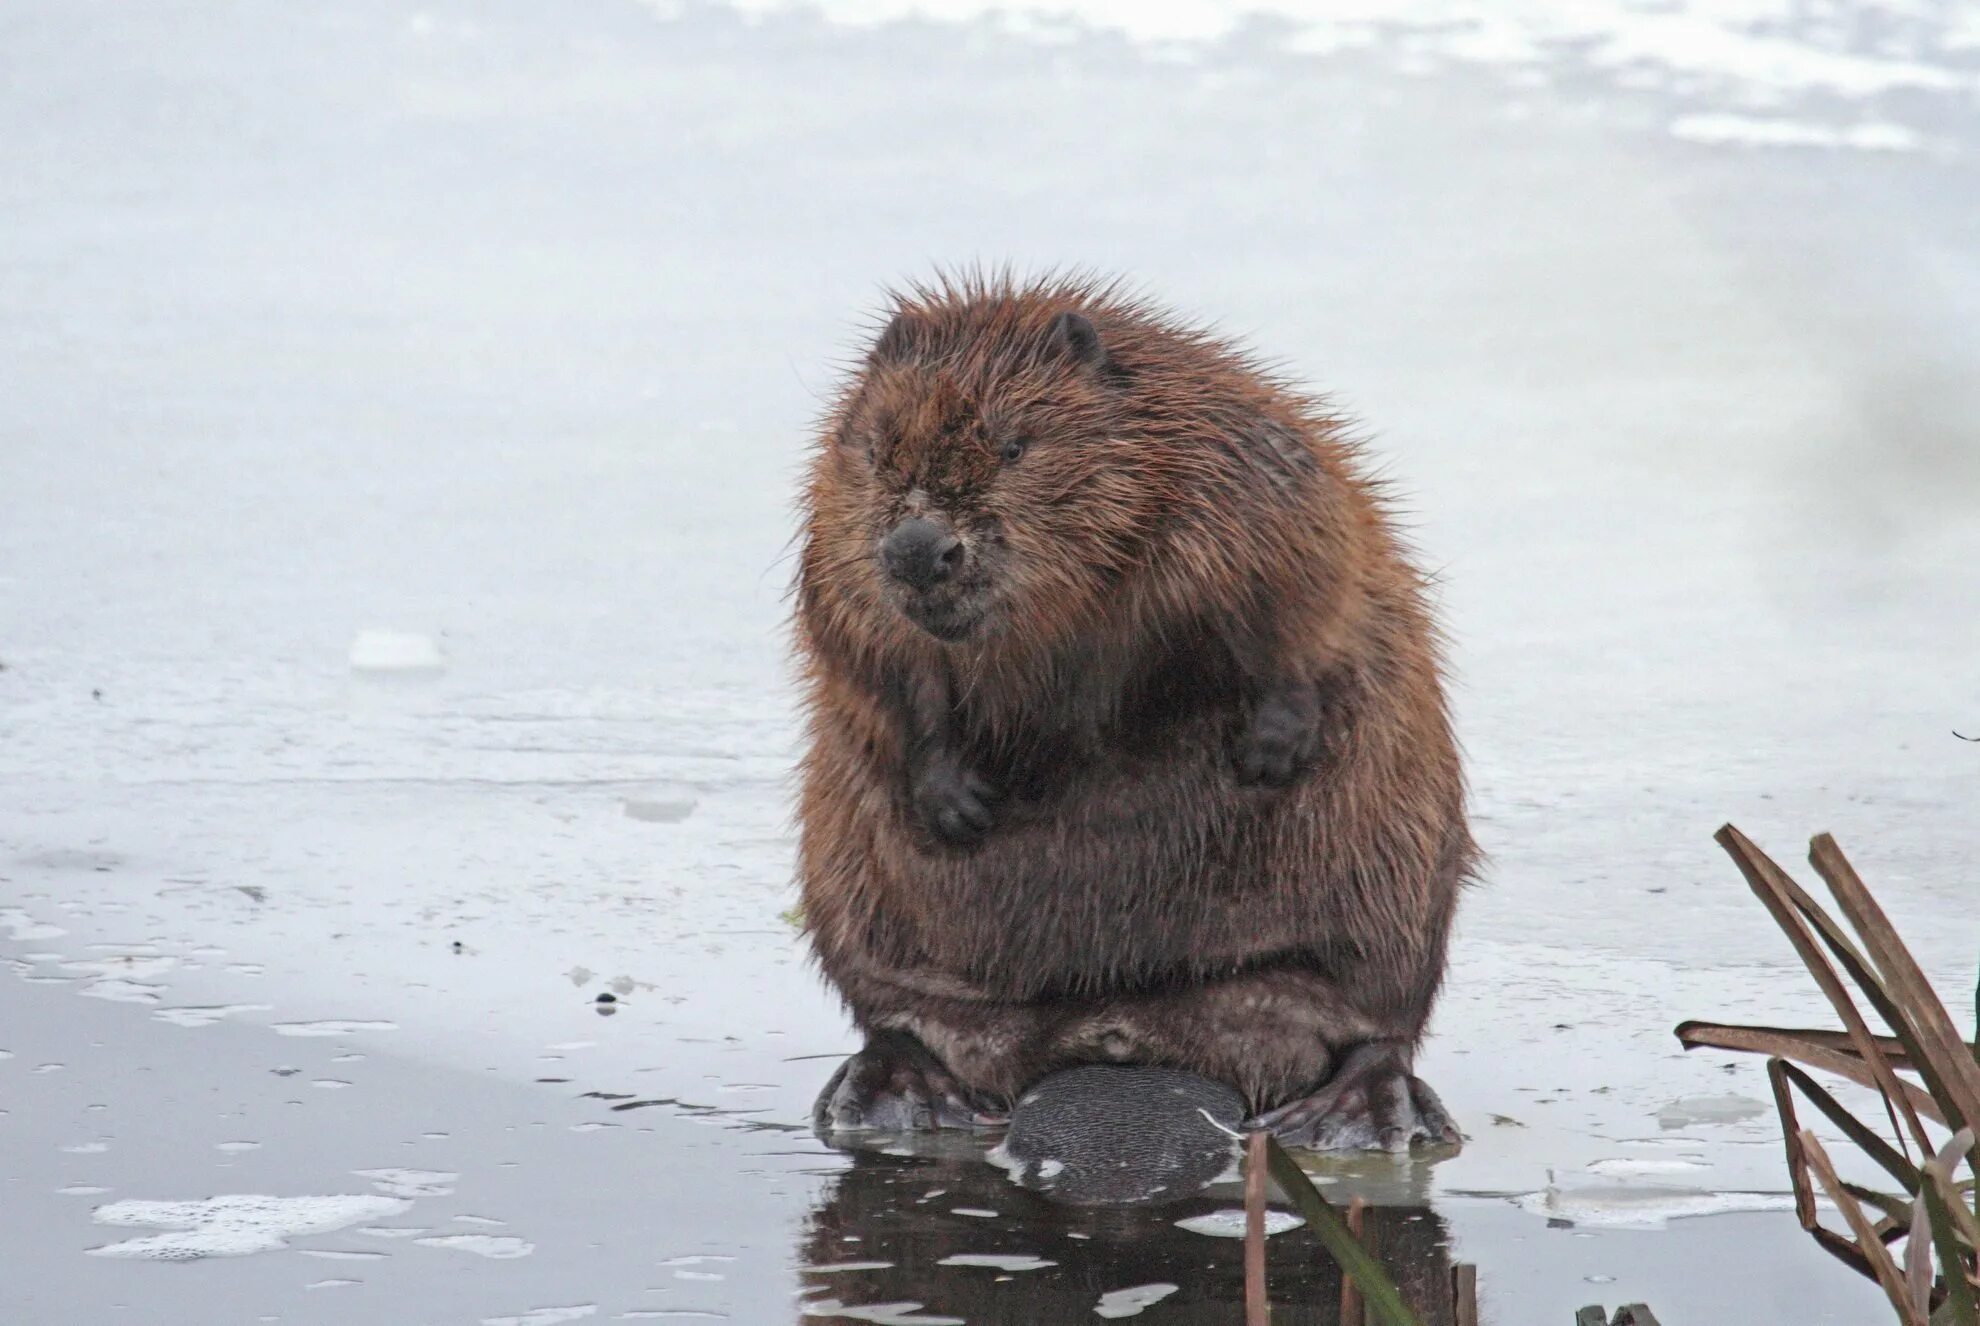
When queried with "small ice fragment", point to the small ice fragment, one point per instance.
{"points": [[1117, 1303], [656, 811], [129, 964], [499, 1247], [25, 927], [331, 1027], [410, 1182], [1229, 1223], [544, 1316], [205, 1015], [236, 1146], [395, 651], [829, 1268], [86, 1148], [391, 1231], [881, 1314], [1721, 129], [329, 1284], [1636, 1166], [1689, 1110], [976, 1211], [119, 990], [996, 1261]]}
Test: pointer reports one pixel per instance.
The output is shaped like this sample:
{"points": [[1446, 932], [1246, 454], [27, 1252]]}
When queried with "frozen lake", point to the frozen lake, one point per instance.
{"points": [[400, 417]]}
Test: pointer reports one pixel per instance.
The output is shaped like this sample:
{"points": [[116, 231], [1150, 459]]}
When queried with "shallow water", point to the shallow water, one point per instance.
{"points": [[396, 463]]}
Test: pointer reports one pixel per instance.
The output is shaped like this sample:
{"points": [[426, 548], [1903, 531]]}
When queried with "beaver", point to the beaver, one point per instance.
{"points": [[1127, 741]]}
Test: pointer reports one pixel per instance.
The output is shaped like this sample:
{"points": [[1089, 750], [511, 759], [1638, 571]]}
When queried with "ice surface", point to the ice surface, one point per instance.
{"points": [[508, 326], [235, 1225]]}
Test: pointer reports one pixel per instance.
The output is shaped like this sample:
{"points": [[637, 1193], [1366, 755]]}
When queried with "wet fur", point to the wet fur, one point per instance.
{"points": [[1185, 563]]}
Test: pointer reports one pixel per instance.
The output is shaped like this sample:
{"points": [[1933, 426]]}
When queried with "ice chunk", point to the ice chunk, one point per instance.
{"points": [[1117, 1303], [21, 926], [1691, 1111], [395, 651], [410, 1182], [236, 1224], [1610, 1201], [1229, 1224], [996, 1261]]}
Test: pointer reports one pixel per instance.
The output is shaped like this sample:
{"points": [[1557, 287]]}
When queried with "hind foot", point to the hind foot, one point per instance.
{"points": [[1371, 1103], [896, 1085]]}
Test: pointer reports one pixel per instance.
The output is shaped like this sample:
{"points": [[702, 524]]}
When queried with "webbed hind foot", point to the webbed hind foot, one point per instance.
{"points": [[1372, 1102], [896, 1085]]}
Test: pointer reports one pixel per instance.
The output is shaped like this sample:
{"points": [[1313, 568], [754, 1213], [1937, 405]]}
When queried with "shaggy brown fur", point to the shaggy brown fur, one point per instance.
{"points": [[1160, 770]]}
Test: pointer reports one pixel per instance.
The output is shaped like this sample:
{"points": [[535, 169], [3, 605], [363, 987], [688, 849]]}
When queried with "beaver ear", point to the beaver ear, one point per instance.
{"points": [[1073, 337], [899, 340]]}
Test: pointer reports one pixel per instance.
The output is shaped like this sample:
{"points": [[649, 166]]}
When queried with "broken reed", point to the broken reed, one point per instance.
{"points": [[1925, 1074], [1368, 1296]]}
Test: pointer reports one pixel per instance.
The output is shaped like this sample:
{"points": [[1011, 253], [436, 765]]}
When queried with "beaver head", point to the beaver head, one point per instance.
{"points": [[979, 480]]}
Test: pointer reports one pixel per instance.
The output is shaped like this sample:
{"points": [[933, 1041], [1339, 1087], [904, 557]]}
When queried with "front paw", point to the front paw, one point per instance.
{"points": [[953, 802], [1282, 739]]}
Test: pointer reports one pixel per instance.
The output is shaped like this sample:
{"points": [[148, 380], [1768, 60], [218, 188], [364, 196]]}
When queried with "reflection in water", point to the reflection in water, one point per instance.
{"points": [[946, 1231]]}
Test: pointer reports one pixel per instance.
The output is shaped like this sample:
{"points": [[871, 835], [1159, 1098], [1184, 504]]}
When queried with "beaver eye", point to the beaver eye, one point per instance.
{"points": [[1014, 449]]}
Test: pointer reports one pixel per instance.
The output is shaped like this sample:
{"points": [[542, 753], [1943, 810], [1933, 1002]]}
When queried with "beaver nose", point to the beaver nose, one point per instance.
{"points": [[921, 553]]}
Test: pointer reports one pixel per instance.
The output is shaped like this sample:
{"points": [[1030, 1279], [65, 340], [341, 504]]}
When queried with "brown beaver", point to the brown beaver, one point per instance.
{"points": [[1127, 739]]}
